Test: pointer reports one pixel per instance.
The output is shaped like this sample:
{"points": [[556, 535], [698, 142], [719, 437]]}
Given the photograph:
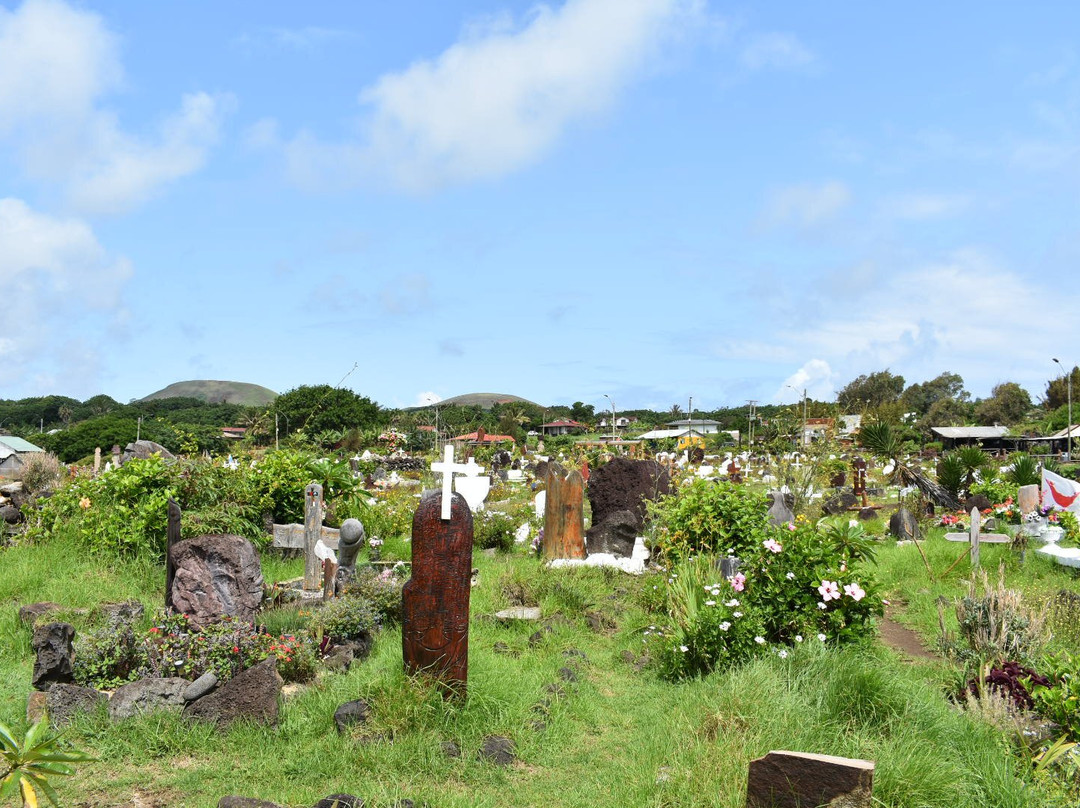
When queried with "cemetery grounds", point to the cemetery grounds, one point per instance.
{"points": [[596, 710]]}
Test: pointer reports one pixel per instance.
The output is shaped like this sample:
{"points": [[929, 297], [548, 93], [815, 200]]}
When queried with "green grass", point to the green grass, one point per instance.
{"points": [[616, 737]]}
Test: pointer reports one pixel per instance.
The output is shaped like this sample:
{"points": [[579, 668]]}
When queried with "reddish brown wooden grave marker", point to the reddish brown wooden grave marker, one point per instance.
{"points": [[564, 520], [435, 600]]}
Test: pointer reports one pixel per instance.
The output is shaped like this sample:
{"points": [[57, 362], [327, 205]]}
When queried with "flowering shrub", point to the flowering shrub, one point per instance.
{"points": [[173, 647], [493, 530], [381, 589], [803, 582]]}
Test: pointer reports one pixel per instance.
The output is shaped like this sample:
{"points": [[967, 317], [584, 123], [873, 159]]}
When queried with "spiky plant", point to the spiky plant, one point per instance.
{"points": [[30, 764], [886, 445]]}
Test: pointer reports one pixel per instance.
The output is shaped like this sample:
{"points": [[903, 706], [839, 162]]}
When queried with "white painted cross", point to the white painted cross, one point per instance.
{"points": [[447, 468]]}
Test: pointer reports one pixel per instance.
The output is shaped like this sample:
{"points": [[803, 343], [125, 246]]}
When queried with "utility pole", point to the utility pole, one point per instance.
{"points": [[750, 425], [1068, 429], [277, 442], [612, 403]]}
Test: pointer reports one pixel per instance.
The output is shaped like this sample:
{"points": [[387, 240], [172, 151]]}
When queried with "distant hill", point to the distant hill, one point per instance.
{"points": [[483, 400], [215, 392]]}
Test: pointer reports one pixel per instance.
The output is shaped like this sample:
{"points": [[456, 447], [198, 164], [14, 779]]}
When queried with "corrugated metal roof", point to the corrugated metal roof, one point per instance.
{"points": [[954, 432], [1064, 433], [18, 444]]}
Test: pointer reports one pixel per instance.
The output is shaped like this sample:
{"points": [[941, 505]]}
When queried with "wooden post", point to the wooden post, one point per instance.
{"points": [[313, 498], [976, 519], [172, 536], [564, 520]]}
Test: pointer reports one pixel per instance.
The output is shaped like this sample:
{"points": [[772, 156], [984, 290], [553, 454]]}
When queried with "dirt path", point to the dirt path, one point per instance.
{"points": [[903, 639]]}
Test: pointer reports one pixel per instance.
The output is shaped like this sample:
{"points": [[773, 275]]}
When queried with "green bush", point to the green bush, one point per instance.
{"points": [[1060, 702], [346, 618], [493, 530], [381, 589], [278, 482], [706, 517], [124, 511], [389, 517], [997, 490]]}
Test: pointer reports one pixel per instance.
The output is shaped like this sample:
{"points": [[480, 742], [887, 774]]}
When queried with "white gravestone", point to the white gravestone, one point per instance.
{"points": [[447, 469]]}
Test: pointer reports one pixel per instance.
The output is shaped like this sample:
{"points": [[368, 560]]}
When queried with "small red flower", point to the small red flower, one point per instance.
{"points": [[235, 649]]}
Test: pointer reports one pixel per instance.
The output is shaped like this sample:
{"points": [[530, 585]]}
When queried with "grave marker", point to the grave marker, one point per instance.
{"points": [[564, 516], [172, 536], [976, 537], [313, 501], [447, 468], [435, 600], [803, 780]]}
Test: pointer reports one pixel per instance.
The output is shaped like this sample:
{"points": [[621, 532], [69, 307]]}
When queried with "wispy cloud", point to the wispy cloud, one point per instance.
{"points": [[806, 205], [57, 63], [60, 287], [497, 100], [921, 207], [406, 295], [306, 38], [776, 50]]}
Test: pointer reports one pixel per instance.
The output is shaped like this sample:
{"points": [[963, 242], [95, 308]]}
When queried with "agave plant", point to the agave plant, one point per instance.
{"points": [[29, 765], [1024, 471], [886, 445]]}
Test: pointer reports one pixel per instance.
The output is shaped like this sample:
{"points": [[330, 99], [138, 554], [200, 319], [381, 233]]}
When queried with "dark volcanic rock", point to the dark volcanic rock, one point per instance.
{"points": [[840, 503], [499, 750], [54, 648], [625, 484], [32, 612], [615, 535], [903, 524], [979, 501], [351, 713], [216, 576], [147, 696], [244, 802], [63, 701], [340, 801], [251, 694]]}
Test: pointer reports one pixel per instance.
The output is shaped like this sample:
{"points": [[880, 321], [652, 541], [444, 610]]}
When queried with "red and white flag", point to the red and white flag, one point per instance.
{"points": [[1059, 493]]}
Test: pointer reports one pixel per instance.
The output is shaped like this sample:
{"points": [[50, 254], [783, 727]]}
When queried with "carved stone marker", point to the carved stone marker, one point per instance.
{"points": [[802, 780], [1027, 498], [313, 499], [564, 516], [435, 600], [858, 483]]}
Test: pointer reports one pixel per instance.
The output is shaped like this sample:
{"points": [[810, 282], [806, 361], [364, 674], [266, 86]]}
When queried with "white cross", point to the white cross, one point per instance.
{"points": [[447, 468]]}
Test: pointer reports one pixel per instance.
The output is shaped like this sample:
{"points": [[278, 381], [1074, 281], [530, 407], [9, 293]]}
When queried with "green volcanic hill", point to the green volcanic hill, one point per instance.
{"points": [[216, 392], [483, 400]]}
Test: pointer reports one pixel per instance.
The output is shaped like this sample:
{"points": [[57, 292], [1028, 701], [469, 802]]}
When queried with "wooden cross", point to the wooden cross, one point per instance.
{"points": [[447, 468]]}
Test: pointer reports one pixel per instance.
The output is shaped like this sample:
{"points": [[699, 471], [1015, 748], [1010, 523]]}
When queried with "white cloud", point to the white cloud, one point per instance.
{"points": [[59, 287], [816, 377], [426, 399], [57, 63], [962, 313], [306, 38], [806, 205], [776, 50], [498, 99], [921, 207]]}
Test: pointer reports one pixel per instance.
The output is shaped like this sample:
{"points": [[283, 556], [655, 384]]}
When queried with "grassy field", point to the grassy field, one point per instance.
{"points": [[591, 725]]}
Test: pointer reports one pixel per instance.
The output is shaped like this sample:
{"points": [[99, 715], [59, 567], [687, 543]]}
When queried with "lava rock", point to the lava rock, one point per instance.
{"points": [[498, 750]]}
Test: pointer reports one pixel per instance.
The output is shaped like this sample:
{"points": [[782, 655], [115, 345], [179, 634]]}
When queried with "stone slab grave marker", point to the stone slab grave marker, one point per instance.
{"points": [[313, 501], [435, 600], [564, 516], [1027, 498], [976, 538], [473, 485], [802, 780]]}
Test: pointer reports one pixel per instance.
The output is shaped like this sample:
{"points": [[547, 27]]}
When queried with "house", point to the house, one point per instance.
{"points": [[13, 452], [621, 422], [481, 437], [233, 432], [990, 437], [816, 429], [563, 428], [703, 426]]}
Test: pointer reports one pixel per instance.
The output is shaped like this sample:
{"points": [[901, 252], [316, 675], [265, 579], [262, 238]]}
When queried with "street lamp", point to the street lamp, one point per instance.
{"points": [[805, 438], [612, 403], [1068, 429]]}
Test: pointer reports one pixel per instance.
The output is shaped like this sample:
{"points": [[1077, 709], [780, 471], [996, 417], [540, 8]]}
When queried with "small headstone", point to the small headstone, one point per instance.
{"points": [[216, 576], [251, 695], [780, 514], [1028, 498], [802, 780], [55, 651], [903, 524], [519, 613], [97, 460], [564, 519], [979, 502], [435, 600], [858, 470], [540, 504], [616, 535], [313, 510]]}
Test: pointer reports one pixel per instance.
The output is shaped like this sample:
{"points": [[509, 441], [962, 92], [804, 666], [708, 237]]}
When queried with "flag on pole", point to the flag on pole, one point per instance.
{"points": [[1059, 493]]}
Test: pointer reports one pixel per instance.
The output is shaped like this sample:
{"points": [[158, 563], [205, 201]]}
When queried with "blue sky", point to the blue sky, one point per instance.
{"points": [[652, 199]]}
